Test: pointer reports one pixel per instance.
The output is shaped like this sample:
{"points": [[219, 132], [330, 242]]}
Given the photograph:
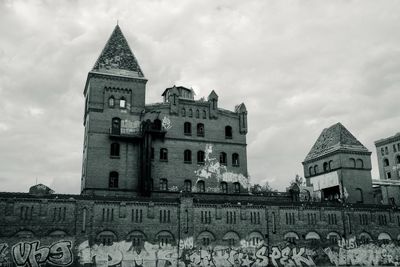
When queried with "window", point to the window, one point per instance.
{"points": [[188, 186], [111, 102], [382, 219], [200, 129], [183, 112], [122, 102], [137, 215], [394, 148], [330, 164], [382, 151], [385, 162], [187, 156], [206, 217], [224, 187], [163, 154], [200, 157], [386, 150], [228, 132], [116, 126], [290, 218], [108, 215], [235, 159], [359, 195], [360, 163], [114, 150], [222, 158], [332, 220], [157, 124], [398, 159], [197, 113], [326, 166], [204, 114], [388, 175], [163, 184], [310, 170], [363, 219], [165, 216], [59, 214], [231, 217], [165, 239], [26, 213], [113, 180], [316, 169], [106, 238], [201, 186], [255, 217], [312, 218], [187, 128], [137, 240], [236, 187], [152, 153], [190, 113]]}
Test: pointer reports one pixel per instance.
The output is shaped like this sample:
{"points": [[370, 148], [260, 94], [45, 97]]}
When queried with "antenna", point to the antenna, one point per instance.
{"points": [[117, 22]]}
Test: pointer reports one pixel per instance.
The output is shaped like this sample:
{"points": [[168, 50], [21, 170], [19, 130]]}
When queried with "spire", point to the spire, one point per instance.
{"points": [[117, 58], [334, 138]]}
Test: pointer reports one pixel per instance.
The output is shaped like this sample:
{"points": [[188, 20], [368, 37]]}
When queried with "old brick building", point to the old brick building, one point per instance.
{"points": [[165, 185], [132, 148]]}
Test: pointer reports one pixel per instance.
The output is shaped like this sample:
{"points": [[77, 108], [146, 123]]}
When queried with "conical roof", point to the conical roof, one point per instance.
{"points": [[336, 137], [117, 58]]}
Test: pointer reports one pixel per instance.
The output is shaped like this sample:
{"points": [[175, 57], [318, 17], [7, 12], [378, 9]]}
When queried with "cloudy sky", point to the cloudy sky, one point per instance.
{"points": [[300, 66]]}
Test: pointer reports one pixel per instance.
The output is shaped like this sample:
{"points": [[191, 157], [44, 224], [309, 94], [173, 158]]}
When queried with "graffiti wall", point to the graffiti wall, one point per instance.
{"points": [[186, 253]]}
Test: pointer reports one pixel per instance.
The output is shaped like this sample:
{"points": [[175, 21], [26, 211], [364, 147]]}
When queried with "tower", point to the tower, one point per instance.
{"points": [[115, 101], [339, 167]]}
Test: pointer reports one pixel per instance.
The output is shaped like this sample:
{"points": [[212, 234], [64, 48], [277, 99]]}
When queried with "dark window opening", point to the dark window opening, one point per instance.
{"points": [[224, 187], [163, 154], [236, 188], [200, 157], [187, 156], [114, 152], [188, 186], [235, 159], [228, 132], [152, 153], [163, 184], [183, 112], [197, 113], [190, 113], [200, 129], [204, 114], [157, 124], [385, 162], [326, 166], [113, 180], [187, 128], [116, 126], [222, 158], [201, 187]]}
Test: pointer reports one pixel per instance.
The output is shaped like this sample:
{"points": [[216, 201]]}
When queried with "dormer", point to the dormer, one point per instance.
{"points": [[180, 91], [213, 104]]}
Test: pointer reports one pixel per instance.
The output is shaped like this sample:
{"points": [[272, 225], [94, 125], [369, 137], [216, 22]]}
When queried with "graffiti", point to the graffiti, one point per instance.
{"points": [[166, 123], [4, 260], [186, 243], [349, 253], [33, 255], [130, 127], [213, 169], [291, 257]]}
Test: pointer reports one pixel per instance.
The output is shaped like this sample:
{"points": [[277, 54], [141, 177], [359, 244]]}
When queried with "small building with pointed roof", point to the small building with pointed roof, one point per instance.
{"points": [[338, 166]]}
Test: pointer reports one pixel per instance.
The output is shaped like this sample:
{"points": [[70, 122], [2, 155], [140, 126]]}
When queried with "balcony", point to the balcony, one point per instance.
{"points": [[126, 133]]}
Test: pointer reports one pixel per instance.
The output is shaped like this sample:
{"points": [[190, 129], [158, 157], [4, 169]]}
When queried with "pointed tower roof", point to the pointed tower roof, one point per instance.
{"points": [[212, 95], [334, 138], [117, 58]]}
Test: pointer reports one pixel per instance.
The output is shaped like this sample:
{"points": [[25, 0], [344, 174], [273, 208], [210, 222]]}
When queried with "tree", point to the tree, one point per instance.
{"points": [[258, 189], [298, 180]]}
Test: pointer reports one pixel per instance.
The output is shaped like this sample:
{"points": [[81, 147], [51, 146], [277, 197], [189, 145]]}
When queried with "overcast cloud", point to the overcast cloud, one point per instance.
{"points": [[299, 66]]}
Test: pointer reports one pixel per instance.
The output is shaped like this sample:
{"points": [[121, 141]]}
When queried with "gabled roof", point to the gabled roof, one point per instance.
{"points": [[212, 95], [117, 58], [241, 108], [334, 138]]}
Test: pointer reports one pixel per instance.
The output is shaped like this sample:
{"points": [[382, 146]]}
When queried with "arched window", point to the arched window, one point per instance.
{"points": [[122, 102], [330, 164], [111, 102], [157, 124], [359, 195], [197, 113], [291, 237], [228, 132], [116, 126], [106, 238], [236, 187], [201, 187], [222, 158], [365, 238], [352, 163], [187, 128], [310, 170], [187, 186], [255, 239], [333, 238], [326, 166], [190, 113], [163, 154], [398, 159], [187, 156], [200, 129], [113, 180], [359, 164], [114, 151], [316, 169], [204, 114], [224, 187], [235, 159], [163, 184], [137, 238], [385, 162], [231, 238], [165, 239], [200, 157], [205, 238], [183, 112]]}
